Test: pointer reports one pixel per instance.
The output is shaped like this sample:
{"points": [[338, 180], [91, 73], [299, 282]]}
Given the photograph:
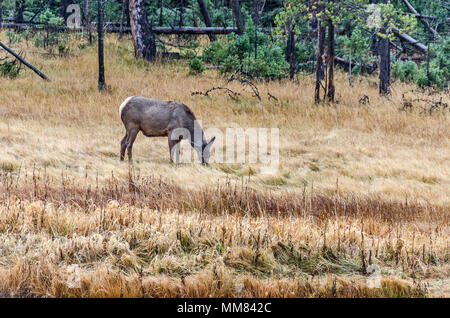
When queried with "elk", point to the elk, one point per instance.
{"points": [[156, 118]]}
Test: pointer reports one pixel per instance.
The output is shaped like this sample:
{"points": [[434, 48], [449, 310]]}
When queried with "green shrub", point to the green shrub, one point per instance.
{"points": [[438, 73], [405, 71], [216, 52], [196, 66], [305, 54], [38, 42], [9, 69], [14, 37], [62, 49], [237, 53], [189, 54]]}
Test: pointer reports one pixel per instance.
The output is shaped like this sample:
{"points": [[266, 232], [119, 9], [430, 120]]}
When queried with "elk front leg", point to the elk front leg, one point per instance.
{"points": [[174, 149]]}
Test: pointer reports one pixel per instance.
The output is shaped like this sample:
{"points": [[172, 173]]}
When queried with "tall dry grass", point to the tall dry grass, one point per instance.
{"points": [[358, 185]]}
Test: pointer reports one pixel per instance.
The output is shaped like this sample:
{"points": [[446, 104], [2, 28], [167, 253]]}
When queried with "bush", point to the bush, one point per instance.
{"points": [[9, 69], [237, 53], [305, 53], [405, 71], [216, 52], [439, 68], [196, 66]]}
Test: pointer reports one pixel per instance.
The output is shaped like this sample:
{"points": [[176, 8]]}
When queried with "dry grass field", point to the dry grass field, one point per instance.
{"points": [[358, 185]]}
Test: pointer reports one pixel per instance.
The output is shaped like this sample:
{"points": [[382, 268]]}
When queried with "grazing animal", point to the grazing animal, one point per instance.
{"points": [[156, 118]]}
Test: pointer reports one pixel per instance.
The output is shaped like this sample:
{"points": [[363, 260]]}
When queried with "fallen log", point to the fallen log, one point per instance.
{"points": [[413, 58], [7, 49], [116, 29], [366, 67], [408, 39]]}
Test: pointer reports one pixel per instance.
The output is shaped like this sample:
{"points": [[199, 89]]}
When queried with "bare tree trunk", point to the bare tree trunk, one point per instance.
{"points": [[101, 59], [160, 12], [331, 88], [385, 65], [350, 69], [143, 37], [18, 11], [86, 19], [290, 50], [206, 17], [238, 17], [1, 14], [320, 61], [122, 19], [64, 5], [181, 13], [17, 56]]}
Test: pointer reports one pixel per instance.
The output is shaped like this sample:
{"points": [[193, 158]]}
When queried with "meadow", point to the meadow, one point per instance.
{"points": [[359, 186]]}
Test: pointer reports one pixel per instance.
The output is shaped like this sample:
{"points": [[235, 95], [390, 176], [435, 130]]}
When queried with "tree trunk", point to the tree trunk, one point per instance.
{"points": [[350, 69], [206, 17], [86, 19], [18, 11], [143, 37], [101, 60], [181, 13], [64, 5], [122, 19], [320, 61], [385, 66], [1, 14], [238, 17], [290, 50], [160, 12], [331, 88]]}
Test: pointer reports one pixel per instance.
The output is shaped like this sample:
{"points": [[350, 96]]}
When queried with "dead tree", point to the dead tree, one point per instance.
{"points": [[320, 61], [422, 48], [122, 19], [1, 13], [238, 17], [181, 13], [143, 36], [385, 65], [19, 8], [111, 28], [86, 19], [369, 68], [22, 60], [206, 17], [64, 5], [290, 49], [421, 18], [101, 59], [331, 54]]}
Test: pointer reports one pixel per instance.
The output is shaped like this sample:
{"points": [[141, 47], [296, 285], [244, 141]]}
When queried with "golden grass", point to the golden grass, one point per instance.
{"points": [[357, 185]]}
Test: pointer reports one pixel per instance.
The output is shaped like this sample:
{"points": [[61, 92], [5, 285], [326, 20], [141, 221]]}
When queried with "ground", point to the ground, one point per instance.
{"points": [[358, 185]]}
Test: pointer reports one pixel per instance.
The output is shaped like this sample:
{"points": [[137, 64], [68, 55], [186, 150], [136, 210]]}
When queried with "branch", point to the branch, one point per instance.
{"points": [[423, 20], [7, 49]]}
